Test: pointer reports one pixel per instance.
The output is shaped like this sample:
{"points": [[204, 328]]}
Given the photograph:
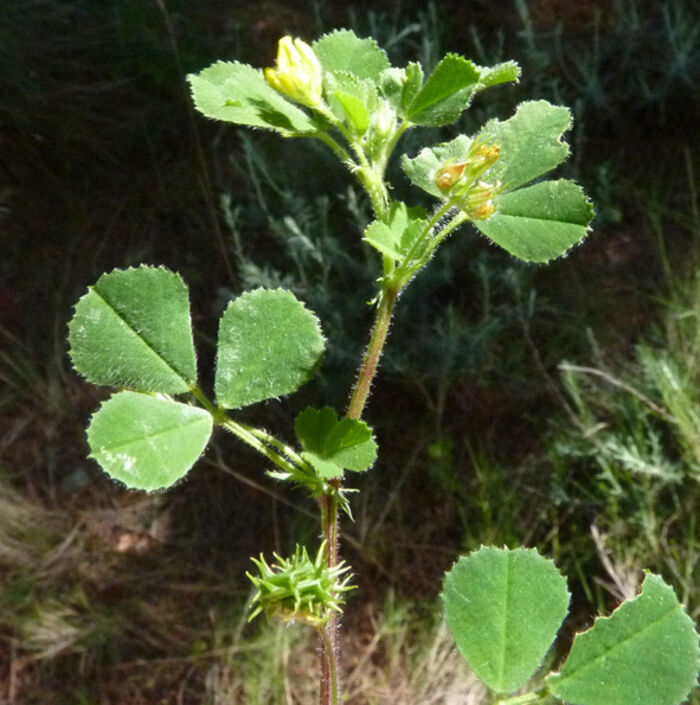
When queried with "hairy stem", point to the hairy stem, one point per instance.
{"points": [[329, 690], [329, 687], [330, 693], [282, 455], [363, 384]]}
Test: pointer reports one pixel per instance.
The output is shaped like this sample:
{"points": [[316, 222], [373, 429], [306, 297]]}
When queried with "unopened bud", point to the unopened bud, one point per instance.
{"points": [[477, 202], [298, 73], [484, 156], [449, 175], [383, 120]]}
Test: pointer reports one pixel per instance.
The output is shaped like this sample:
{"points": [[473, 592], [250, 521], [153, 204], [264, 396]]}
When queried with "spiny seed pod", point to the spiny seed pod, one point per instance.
{"points": [[298, 73], [299, 589]]}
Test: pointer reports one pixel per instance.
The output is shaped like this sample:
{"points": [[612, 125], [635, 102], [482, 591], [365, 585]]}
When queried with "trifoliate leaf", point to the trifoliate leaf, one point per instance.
{"points": [[146, 442], [331, 445], [132, 329], [537, 223], [645, 653], [270, 344], [530, 141], [238, 93], [504, 608], [343, 50], [446, 93], [541, 222], [398, 236]]}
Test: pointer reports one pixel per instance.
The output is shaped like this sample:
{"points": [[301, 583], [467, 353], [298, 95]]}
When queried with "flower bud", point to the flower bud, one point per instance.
{"points": [[449, 175], [298, 73], [485, 156], [462, 180], [383, 120], [477, 202]]}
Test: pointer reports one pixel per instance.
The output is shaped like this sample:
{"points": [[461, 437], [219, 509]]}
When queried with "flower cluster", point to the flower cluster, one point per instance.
{"points": [[463, 182], [299, 589]]}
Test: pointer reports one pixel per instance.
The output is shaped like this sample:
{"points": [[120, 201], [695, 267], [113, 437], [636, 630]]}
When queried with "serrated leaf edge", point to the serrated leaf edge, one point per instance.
{"points": [[253, 293], [678, 607], [485, 549], [128, 327], [292, 106]]}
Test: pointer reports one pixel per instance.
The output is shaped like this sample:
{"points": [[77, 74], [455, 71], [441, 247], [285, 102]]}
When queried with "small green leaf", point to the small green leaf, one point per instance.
{"points": [[351, 99], [645, 653], [354, 110], [507, 72], [446, 93], [397, 237], [541, 222], [531, 142], [238, 93], [422, 169], [504, 608], [269, 345], [391, 84], [332, 445], [133, 329], [343, 50], [146, 442], [412, 86]]}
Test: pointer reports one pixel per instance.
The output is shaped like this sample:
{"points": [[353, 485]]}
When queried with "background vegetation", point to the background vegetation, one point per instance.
{"points": [[555, 407]]}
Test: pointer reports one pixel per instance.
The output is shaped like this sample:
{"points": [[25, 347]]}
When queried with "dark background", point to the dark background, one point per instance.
{"points": [[104, 163]]}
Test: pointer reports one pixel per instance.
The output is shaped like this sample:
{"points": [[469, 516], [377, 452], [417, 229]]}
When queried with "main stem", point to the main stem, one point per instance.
{"points": [[370, 361], [330, 691]]}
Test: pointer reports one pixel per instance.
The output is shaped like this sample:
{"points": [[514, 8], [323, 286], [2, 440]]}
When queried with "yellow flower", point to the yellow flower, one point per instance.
{"points": [[298, 74], [462, 180]]}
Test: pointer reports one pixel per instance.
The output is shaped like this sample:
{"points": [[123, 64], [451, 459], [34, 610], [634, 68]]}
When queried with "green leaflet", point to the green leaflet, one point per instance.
{"points": [[342, 50], [351, 99], [331, 445], [645, 653], [540, 222], [269, 345], [504, 608], [506, 72], [238, 93], [446, 93], [397, 237], [531, 145], [148, 443], [411, 86], [531, 142], [133, 329]]}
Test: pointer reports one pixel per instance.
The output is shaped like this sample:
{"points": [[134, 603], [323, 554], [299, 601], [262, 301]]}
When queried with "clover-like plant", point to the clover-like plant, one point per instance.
{"points": [[132, 330]]}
